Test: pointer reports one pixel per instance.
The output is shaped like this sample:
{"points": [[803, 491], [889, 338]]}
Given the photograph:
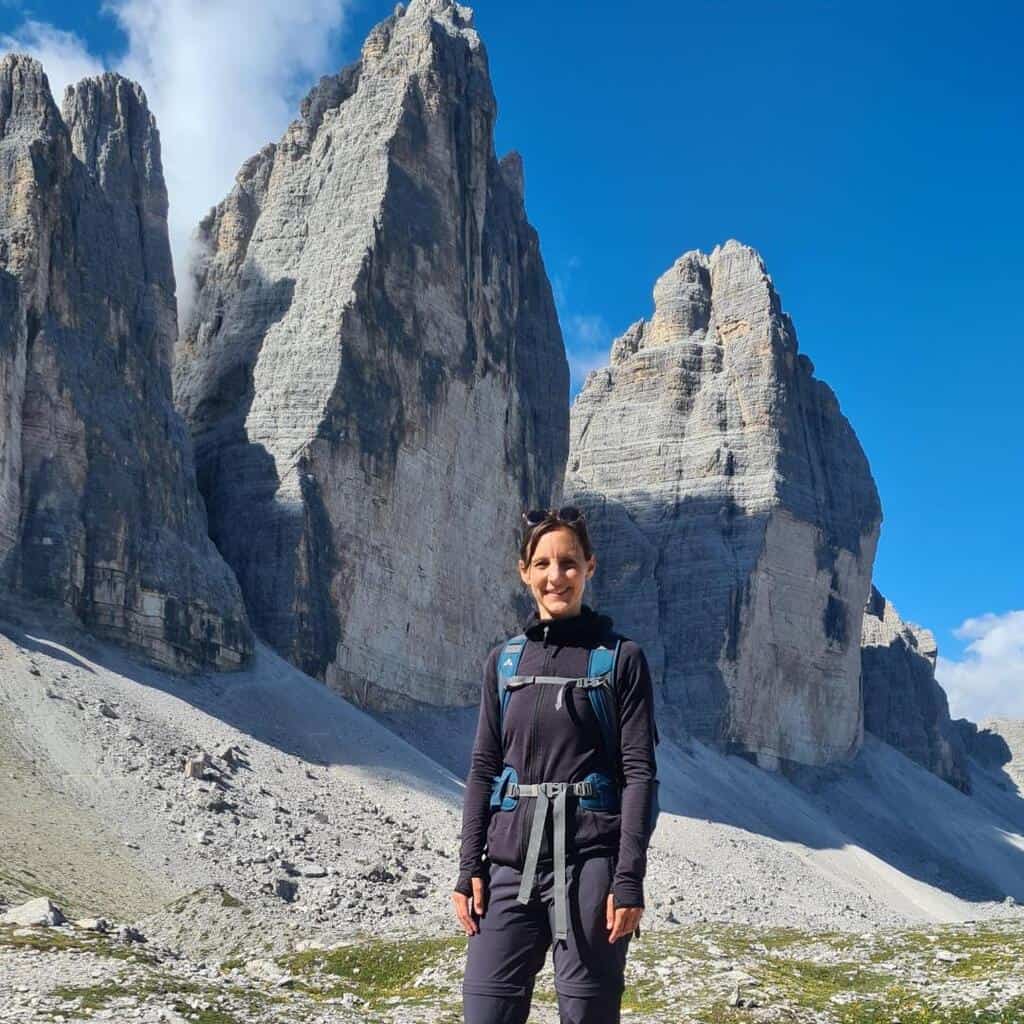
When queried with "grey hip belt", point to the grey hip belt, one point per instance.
{"points": [[548, 794]]}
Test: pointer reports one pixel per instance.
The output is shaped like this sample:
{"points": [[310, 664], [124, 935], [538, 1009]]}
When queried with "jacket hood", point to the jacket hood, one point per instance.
{"points": [[586, 628]]}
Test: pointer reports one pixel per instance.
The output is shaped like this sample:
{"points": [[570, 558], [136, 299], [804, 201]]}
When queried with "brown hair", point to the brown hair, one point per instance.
{"points": [[534, 533]]}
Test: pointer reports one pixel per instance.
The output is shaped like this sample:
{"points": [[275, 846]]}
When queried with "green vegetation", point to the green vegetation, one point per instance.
{"points": [[48, 939], [377, 972], [876, 979], [814, 984], [210, 1016], [955, 974], [906, 1010], [44, 939], [99, 996], [91, 997]]}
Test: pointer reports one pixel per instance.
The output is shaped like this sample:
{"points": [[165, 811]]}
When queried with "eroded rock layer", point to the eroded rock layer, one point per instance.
{"points": [[903, 703], [374, 375], [734, 514], [99, 508]]}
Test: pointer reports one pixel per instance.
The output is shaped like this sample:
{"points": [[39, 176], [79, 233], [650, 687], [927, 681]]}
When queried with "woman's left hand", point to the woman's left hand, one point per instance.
{"points": [[620, 921]]}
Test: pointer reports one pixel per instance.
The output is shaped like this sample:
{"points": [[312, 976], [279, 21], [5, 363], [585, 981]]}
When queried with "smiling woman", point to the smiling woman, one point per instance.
{"points": [[566, 725], [556, 563]]}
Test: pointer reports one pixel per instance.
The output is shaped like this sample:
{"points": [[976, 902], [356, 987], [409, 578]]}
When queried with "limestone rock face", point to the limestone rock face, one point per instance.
{"points": [[99, 509], [994, 743], [374, 374], [734, 514], [903, 703]]}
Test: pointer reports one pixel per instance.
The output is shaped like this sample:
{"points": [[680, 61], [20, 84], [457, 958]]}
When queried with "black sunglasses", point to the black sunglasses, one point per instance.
{"points": [[567, 514]]}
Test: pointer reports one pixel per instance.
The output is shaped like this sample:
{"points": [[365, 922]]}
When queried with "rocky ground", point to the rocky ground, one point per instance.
{"points": [[285, 857], [712, 973]]}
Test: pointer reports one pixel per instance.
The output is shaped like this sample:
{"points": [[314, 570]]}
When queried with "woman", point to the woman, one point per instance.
{"points": [[546, 742]]}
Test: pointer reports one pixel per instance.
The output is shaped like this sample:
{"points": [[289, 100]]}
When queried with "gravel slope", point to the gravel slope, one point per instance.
{"points": [[322, 825]]}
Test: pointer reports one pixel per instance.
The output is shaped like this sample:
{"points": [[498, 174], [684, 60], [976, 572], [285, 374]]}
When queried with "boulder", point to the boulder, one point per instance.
{"points": [[39, 912], [93, 924], [286, 889], [197, 766]]}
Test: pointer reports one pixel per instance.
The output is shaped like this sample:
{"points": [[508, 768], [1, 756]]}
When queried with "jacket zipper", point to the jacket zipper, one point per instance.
{"points": [[532, 744]]}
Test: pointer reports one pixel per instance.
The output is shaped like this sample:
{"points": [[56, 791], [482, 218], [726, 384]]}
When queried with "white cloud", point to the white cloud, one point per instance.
{"points": [[587, 336], [64, 56], [989, 681], [582, 364], [587, 329], [223, 78], [587, 346]]}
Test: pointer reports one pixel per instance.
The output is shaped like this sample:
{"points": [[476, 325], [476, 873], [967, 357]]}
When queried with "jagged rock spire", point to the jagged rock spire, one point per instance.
{"points": [[374, 375], [734, 514], [99, 509]]}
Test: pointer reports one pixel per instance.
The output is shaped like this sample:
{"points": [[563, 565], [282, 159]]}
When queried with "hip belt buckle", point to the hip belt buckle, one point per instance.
{"points": [[552, 789]]}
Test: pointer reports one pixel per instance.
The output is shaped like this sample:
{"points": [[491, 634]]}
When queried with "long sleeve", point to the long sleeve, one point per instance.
{"points": [[485, 763], [637, 738]]}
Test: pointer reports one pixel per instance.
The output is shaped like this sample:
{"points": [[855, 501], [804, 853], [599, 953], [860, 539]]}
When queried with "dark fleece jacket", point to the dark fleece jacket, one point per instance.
{"points": [[552, 735]]}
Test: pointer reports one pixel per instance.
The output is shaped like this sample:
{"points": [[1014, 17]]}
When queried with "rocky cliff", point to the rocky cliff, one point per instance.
{"points": [[734, 514], [99, 509], [374, 375], [903, 703]]}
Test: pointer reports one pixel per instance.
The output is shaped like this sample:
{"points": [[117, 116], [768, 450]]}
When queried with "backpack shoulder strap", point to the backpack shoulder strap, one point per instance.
{"points": [[508, 666], [604, 660]]}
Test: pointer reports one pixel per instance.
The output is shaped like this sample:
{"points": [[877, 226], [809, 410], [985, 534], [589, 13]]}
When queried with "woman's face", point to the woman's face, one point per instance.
{"points": [[557, 574]]}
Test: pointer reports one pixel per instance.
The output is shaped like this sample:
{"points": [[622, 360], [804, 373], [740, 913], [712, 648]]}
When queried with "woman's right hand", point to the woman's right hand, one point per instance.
{"points": [[467, 908]]}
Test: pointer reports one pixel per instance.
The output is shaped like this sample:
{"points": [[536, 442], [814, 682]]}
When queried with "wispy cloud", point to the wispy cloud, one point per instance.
{"points": [[989, 680], [223, 78], [588, 329], [64, 56], [587, 343], [587, 336]]}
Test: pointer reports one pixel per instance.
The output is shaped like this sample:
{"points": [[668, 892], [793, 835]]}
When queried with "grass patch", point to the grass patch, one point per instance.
{"points": [[376, 971], [210, 1016], [984, 950], [51, 940], [814, 984], [43, 939], [905, 1008], [646, 997], [96, 997], [911, 1009], [90, 997]]}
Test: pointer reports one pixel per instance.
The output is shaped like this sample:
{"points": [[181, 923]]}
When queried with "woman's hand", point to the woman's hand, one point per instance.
{"points": [[467, 909], [621, 921]]}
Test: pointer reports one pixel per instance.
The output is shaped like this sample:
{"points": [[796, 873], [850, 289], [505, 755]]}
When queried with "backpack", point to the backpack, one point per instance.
{"points": [[599, 684]]}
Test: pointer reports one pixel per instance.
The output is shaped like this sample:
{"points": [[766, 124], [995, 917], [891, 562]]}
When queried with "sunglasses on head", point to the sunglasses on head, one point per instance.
{"points": [[567, 514]]}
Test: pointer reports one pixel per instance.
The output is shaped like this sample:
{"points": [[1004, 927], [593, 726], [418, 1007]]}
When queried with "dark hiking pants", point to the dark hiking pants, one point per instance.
{"points": [[504, 957]]}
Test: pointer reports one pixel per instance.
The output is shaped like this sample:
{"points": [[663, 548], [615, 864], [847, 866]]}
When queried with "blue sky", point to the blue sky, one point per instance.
{"points": [[873, 153]]}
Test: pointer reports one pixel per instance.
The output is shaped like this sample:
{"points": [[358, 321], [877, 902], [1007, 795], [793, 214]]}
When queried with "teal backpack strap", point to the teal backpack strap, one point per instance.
{"points": [[603, 661], [508, 666]]}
